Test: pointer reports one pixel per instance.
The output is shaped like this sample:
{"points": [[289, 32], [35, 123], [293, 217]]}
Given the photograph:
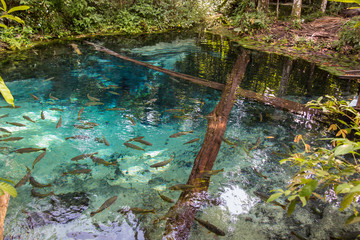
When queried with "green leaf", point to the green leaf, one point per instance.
{"points": [[6, 93], [307, 190], [17, 19], [3, 25], [355, 189], [291, 208], [356, 25], [18, 8], [352, 219], [303, 200], [347, 201], [273, 197], [7, 180], [4, 5], [343, 188], [343, 149], [8, 188]]}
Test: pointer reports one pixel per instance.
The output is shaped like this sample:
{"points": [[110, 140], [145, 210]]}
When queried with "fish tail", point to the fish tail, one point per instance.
{"points": [[67, 138]]}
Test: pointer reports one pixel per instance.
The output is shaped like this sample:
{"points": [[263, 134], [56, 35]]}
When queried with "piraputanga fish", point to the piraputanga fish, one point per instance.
{"points": [[258, 173], [257, 144], [83, 156], [39, 195], [106, 141], [192, 141], [136, 210], [93, 99], [16, 124], [77, 172], [114, 93], [52, 97], [41, 156], [93, 103], [28, 150], [181, 187], [24, 179], [210, 227], [208, 174], [76, 48], [82, 126], [11, 139], [34, 97], [80, 112], [5, 115], [42, 115], [165, 198], [131, 120], [227, 141], [265, 197], [180, 134], [92, 124], [81, 137], [36, 184], [102, 161], [10, 106], [163, 163], [133, 146], [105, 205], [59, 123], [139, 140], [28, 118], [115, 109], [4, 130], [57, 109]]}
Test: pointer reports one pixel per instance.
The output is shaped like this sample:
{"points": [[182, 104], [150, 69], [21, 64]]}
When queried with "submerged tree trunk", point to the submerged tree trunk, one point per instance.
{"points": [[296, 9], [285, 76], [4, 202], [181, 216]]}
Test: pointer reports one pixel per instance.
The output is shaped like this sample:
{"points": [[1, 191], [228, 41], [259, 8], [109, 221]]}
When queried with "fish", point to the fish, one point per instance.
{"points": [[102, 161], [16, 124], [77, 172], [181, 187], [114, 93], [5, 115], [139, 140], [163, 163], [196, 101], [10, 106], [165, 198], [180, 134], [106, 141], [136, 210], [11, 139], [41, 156], [131, 120], [4, 130], [210, 227], [151, 101], [92, 99], [265, 197], [48, 79], [136, 138], [227, 141], [175, 110], [76, 48], [29, 119], [269, 137], [192, 141], [182, 117], [57, 109], [92, 124], [28, 150], [82, 137], [82, 126], [40, 195], [93, 103], [80, 112], [130, 145], [257, 144], [114, 86], [24, 179], [52, 97], [260, 117], [115, 109], [42, 115], [209, 173], [105, 205], [59, 123], [34, 97], [36, 184], [83, 156], [99, 140], [258, 173]]}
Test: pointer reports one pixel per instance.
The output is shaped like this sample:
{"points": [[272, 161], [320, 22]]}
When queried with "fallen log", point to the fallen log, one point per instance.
{"points": [[181, 216], [291, 106]]}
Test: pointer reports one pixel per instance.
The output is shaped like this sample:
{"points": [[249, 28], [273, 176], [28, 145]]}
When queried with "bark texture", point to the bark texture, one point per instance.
{"points": [[4, 202]]}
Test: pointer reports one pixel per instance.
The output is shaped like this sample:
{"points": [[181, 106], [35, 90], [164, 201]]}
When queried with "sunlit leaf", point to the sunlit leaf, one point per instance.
{"points": [[343, 149], [4, 5], [355, 189], [7, 180], [303, 200], [291, 208], [347, 201], [3, 25], [1, 192], [352, 219], [343, 188], [274, 196], [17, 19], [18, 8], [8, 188], [332, 127], [6, 93], [357, 25], [307, 190]]}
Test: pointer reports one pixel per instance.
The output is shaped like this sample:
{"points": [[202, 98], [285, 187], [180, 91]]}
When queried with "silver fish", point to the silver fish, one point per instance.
{"points": [[105, 205]]}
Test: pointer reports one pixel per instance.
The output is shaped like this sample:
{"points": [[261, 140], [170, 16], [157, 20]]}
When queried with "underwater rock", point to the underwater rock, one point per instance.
{"points": [[65, 208]]}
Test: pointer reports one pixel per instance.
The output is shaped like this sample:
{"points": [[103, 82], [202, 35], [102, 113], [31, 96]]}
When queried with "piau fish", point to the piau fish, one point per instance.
{"points": [[80, 112], [265, 197], [11, 139], [28, 150], [227, 141], [181, 187], [115, 109], [131, 120], [28, 118], [42, 115], [57, 109], [81, 137], [76, 48], [257, 144], [140, 140], [102, 161], [257, 172], [114, 93], [165, 198], [106, 141], [36, 184], [59, 123], [180, 134], [52, 97], [210, 227], [77, 172], [34, 97], [136, 210], [93, 103], [4, 130], [83, 156], [208, 174], [5, 115], [10, 106], [16, 124], [163, 163], [192, 141], [105, 205], [133, 146], [24, 179], [39, 195], [41, 156], [93, 99]]}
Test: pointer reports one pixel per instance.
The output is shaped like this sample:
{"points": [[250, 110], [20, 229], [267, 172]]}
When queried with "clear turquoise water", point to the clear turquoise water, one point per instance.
{"points": [[56, 69]]}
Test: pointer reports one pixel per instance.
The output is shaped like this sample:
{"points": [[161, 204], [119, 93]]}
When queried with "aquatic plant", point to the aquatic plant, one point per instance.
{"points": [[335, 168]]}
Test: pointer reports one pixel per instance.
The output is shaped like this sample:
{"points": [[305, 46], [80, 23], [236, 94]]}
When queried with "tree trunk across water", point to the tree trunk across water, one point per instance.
{"points": [[4, 202], [181, 216]]}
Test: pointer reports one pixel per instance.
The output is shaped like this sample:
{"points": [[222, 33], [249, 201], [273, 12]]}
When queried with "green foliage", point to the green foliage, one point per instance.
{"points": [[250, 21], [357, 24], [350, 36], [6, 13], [5, 186], [323, 168]]}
